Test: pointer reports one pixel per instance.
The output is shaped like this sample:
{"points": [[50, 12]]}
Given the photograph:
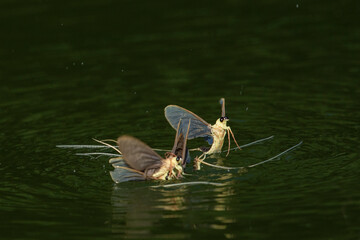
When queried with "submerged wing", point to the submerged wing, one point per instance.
{"points": [[137, 154], [198, 128], [122, 172], [119, 175]]}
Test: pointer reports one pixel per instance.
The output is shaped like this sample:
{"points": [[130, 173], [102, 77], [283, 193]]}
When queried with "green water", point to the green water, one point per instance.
{"points": [[75, 71]]}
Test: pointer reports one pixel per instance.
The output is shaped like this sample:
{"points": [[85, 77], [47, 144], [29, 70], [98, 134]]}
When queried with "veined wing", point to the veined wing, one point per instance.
{"points": [[185, 151], [179, 148], [137, 154], [198, 128], [123, 173]]}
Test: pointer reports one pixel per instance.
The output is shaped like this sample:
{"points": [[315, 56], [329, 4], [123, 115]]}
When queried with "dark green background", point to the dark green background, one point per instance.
{"points": [[71, 71]]}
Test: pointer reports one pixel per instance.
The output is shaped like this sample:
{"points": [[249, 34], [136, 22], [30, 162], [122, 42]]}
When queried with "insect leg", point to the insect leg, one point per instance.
{"points": [[232, 134], [228, 133], [198, 161]]}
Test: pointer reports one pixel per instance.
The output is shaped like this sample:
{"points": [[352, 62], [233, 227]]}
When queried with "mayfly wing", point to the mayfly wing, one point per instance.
{"points": [[185, 152], [119, 175], [123, 172], [222, 102], [178, 139], [199, 127], [180, 148], [137, 154]]}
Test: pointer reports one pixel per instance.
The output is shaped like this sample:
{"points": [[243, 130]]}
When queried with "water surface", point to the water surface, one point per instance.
{"points": [[71, 72]]}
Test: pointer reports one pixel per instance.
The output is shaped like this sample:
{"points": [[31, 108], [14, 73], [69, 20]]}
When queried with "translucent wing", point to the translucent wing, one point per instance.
{"points": [[209, 139], [137, 154], [222, 102], [179, 139], [122, 173], [198, 128], [179, 148], [185, 152]]}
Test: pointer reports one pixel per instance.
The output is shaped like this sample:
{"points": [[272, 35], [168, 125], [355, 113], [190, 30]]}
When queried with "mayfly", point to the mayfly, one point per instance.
{"points": [[140, 162], [213, 134]]}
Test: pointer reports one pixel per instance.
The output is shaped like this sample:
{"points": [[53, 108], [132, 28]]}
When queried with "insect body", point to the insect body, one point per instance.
{"points": [[218, 131], [213, 134], [140, 162]]}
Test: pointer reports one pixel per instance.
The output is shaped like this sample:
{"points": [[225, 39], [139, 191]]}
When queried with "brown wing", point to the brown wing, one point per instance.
{"points": [[180, 148], [183, 155], [137, 154], [222, 102], [178, 137], [179, 145]]}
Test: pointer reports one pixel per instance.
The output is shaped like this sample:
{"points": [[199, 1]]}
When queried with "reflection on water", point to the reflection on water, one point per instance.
{"points": [[138, 211], [132, 213]]}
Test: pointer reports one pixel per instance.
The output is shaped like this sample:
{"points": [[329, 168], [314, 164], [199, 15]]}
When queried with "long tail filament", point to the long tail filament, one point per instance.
{"points": [[109, 140], [106, 144]]}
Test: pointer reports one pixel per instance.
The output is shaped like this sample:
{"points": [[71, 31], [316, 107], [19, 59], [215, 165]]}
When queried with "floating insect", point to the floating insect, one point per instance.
{"points": [[213, 134], [140, 162]]}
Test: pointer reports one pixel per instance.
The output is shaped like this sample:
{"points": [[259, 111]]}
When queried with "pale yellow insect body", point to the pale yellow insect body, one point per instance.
{"points": [[170, 168], [218, 130]]}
